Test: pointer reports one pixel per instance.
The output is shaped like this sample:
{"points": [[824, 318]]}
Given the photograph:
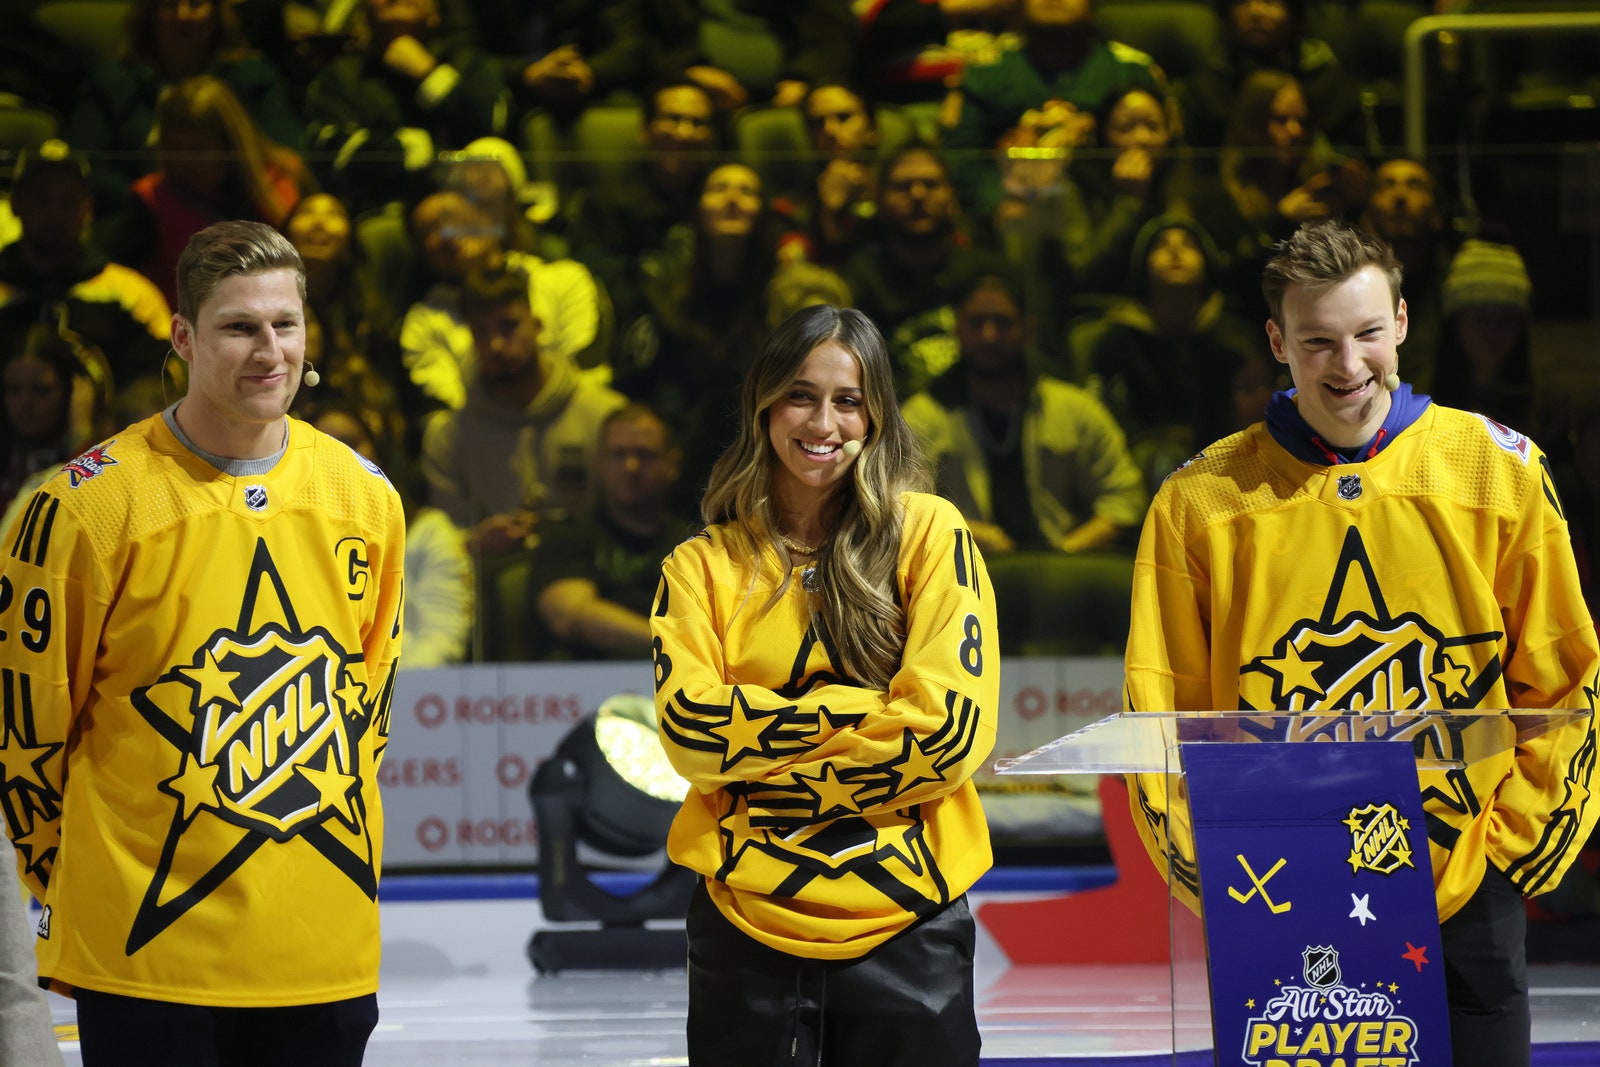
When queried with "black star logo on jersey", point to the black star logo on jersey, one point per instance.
{"points": [[1356, 656], [268, 718]]}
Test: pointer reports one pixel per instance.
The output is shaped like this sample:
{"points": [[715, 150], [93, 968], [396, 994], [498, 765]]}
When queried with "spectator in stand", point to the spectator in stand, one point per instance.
{"points": [[491, 173], [166, 42], [1084, 211], [53, 272], [53, 410], [753, 51], [457, 237], [1063, 63], [1039, 469], [612, 223], [561, 55], [908, 280], [439, 579], [1170, 361], [705, 290], [916, 51], [1276, 171], [521, 448], [213, 164], [586, 590], [800, 285], [1112, 195], [341, 296], [384, 113], [1032, 461], [844, 136], [1268, 35], [1483, 344], [347, 380], [1403, 209]]}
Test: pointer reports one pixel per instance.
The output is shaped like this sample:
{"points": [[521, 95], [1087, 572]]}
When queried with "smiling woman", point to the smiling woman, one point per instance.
{"points": [[826, 677]]}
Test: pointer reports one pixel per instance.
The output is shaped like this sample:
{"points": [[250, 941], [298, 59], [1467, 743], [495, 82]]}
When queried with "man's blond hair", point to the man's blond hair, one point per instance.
{"points": [[1319, 256]]}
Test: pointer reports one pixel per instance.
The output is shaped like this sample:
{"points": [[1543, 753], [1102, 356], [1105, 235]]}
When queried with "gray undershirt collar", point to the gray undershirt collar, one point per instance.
{"points": [[238, 468]]}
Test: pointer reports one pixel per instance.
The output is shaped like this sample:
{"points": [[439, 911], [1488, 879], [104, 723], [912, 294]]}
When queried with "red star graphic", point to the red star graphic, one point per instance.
{"points": [[1418, 954]]}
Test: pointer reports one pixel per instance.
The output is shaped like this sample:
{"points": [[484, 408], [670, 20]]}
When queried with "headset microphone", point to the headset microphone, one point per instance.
{"points": [[1392, 382], [311, 376], [851, 449]]}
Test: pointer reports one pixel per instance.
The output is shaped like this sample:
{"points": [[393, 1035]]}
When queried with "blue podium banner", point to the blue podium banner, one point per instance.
{"points": [[1321, 929]]}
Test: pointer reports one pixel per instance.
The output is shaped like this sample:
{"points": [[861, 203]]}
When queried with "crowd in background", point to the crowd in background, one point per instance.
{"points": [[543, 241]]}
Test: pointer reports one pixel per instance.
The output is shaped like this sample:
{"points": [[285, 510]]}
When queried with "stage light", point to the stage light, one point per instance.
{"points": [[609, 787]]}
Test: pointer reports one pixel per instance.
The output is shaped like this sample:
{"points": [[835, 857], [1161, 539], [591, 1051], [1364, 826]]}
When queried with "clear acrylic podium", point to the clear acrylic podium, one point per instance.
{"points": [[1312, 772]]}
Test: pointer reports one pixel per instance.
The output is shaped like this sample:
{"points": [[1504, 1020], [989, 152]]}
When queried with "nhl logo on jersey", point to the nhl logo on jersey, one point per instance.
{"points": [[274, 752], [255, 497], [1349, 486]]}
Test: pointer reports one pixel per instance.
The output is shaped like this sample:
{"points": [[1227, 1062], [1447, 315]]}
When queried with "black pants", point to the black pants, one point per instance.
{"points": [[118, 1031], [1486, 977], [909, 1002]]}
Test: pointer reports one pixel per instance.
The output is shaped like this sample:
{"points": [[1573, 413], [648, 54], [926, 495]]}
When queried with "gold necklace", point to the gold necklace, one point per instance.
{"points": [[796, 546]]}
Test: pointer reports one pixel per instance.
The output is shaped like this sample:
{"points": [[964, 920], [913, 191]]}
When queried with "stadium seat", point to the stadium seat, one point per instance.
{"points": [[23, 126], [385, 244], [1368, 36], [93, 28], [1180, 35]]}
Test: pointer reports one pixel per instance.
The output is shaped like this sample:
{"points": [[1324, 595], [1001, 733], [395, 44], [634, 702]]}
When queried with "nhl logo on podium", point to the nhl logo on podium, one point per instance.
{"points": [[1378, 839], [1321, 966]]}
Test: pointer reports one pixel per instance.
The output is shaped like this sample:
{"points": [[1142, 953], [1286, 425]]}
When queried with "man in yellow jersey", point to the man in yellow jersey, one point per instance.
{"points": [[1434, 536], [201, 623]]}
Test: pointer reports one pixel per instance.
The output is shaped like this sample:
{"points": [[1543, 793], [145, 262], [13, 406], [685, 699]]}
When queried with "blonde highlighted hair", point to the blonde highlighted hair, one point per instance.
{"points": [[1321, 255], [856, 601], [224, 249]]}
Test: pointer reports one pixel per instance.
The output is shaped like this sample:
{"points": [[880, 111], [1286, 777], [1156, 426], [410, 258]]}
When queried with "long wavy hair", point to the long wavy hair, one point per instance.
{"points": [[206, 104], [856, 601], [1249, 168]]}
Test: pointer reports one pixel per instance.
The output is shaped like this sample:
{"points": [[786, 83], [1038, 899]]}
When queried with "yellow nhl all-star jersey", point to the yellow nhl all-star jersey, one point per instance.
{"points": [[827, 816], [195, 674], [1438, 574]]}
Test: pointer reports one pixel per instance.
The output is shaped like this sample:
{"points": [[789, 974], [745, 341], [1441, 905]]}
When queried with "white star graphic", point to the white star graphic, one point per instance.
{"points": [[1361, 911]]}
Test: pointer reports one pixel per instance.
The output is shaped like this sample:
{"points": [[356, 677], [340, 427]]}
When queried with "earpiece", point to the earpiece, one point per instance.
{"points": [[851, 449], [311, 377], [1392, 382]]}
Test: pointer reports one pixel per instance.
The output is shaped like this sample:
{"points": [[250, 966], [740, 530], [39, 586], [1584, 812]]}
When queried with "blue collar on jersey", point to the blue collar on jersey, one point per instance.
{"points": [[1292, 431]]}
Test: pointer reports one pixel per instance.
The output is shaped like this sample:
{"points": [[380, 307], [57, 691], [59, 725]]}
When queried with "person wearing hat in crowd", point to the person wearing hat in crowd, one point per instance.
{"points": [[1482, 360], [53, 272]]}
